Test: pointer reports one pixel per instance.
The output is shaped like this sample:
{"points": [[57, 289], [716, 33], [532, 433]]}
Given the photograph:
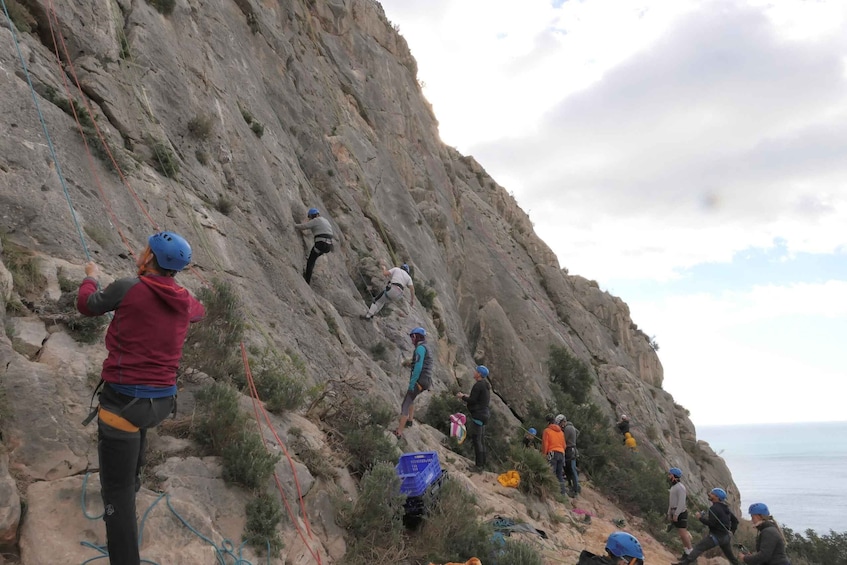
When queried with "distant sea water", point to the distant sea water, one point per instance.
{"points": [[798, 470]]}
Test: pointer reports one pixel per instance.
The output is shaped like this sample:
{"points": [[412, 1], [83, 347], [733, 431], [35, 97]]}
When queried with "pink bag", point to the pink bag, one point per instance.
{"points": [[457, 427]]}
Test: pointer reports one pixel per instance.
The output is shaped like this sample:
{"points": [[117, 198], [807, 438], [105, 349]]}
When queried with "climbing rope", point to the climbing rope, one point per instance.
{"points": [[227, 550]]}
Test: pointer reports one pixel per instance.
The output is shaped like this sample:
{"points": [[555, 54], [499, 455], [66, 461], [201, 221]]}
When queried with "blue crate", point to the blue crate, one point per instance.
{"points": [[417, 471]]}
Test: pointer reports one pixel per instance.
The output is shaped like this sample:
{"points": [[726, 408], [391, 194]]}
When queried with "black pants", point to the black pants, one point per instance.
{"points": [[121, 458], [321, 246], [710, 541], [477, 435]]}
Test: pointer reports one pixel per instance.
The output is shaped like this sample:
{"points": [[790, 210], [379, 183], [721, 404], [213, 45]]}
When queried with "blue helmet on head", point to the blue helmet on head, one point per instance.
{"points": [[313, 212], [533, 431], [418, 331], [171, 250], [719, 493], [405, 267], [483, 371], [676, 472], [623, 544], [759, 508]]}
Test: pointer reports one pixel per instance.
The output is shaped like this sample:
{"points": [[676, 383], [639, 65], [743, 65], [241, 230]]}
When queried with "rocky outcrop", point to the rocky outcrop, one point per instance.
{"points": [[227, 120]]}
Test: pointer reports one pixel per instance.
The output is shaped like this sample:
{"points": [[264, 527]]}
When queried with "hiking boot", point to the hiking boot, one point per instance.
{"points": [[365, 317], [408, 423]]}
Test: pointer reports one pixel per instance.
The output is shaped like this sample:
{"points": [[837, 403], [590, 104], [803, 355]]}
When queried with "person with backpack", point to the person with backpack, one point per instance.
{"points": [[398, 280], [144, 344], [622, 548], [322, 234], [770, 545], [553, 447], [722, 524], [478, 401], [571, 472], [420, 378], [677, 512]]}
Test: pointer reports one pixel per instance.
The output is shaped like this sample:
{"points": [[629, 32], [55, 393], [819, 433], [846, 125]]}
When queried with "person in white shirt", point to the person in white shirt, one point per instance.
{"points": [[398, 281]]}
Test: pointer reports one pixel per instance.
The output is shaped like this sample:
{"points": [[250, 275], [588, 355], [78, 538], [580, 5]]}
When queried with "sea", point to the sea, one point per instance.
{"points": [[798, 470]]}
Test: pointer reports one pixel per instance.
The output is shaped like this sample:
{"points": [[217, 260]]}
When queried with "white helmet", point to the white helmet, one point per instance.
{"points": [[559, 419]]}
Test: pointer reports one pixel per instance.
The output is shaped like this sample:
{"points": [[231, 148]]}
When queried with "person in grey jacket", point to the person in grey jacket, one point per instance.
{"points": [[677, 512], [322, 233], [770, 545], [571, 473]]}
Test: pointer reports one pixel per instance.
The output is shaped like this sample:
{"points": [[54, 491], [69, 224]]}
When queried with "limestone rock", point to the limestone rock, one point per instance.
{"points": [[28, 335], [10, 504]]}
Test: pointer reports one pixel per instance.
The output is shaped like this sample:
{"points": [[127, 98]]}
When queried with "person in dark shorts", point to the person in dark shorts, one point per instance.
{"points": [[677, 513]]}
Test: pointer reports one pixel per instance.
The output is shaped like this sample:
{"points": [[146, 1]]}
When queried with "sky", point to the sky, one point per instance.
{"points": [[689, 156]]}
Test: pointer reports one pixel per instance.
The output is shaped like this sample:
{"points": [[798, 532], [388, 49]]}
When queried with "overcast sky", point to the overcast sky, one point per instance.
{"points": [[689, 156]]}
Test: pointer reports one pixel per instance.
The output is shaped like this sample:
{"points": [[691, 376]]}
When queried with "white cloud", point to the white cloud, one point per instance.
{"points": [[745, 357], [649, 137]]}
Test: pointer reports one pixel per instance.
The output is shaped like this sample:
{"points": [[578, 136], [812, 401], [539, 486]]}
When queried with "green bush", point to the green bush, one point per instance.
{"points": [[637, 483], [23, 266], [570, 374], [213, 344], [218, 420], [165, 160], [264, 514], [537, 478], [815, 549], [280, 391], [367, 447], [441, 407], [246, 461], [200, 126], [518, 553], [374, 523], [85, 329], [313, 459]]}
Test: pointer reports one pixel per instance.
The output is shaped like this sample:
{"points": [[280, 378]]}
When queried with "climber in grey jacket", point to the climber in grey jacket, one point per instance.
{"points": [[322, 232]]}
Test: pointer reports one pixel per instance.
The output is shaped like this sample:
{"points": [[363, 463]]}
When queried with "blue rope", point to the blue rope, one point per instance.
{"points": [[46, 133], [227, 549]]}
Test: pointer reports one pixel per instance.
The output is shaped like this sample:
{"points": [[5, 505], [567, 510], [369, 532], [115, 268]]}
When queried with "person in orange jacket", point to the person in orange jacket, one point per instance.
{"points": [[553, 446]]}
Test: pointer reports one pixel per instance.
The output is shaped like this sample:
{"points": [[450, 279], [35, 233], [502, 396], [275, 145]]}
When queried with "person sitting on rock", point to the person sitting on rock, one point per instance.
{"points": [[398, 280], [622, 548]]}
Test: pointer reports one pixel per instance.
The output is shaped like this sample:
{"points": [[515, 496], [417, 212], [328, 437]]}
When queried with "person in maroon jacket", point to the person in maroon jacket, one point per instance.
{"points": [[144, 343]]}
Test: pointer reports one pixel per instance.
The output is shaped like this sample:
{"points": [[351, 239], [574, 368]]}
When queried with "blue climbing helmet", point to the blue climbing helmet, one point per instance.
{"points": [[171, 250], [418, 331], [625, 545], [759, 508], [719, 493], [483, 371], [676, 472], [405, 267], [533, 431], [313, 212]]}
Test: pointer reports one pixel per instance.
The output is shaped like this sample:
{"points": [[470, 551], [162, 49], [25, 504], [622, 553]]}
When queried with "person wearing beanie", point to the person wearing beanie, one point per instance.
{"points": [[478, 401]]}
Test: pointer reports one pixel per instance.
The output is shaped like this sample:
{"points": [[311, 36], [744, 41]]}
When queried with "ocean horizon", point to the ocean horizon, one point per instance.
{"points": [[799, 470]]}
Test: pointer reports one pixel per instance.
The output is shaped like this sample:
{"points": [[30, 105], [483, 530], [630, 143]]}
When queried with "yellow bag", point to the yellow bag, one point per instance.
{"points": [[510, 479]]}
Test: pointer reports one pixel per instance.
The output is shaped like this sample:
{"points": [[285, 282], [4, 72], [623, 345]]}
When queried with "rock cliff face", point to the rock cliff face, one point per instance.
{"points": [[227, 119]]}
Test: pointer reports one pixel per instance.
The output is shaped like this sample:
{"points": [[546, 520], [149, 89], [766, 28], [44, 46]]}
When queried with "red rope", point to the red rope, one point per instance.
{"points": [[257, 408]]}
